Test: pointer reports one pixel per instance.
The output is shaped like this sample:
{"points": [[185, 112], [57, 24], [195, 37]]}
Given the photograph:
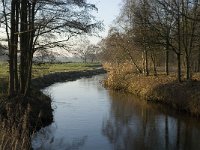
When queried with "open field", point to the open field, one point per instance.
{"points": [[44, 69]]}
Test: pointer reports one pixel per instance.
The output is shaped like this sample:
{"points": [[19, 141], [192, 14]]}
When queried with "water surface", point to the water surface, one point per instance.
{"points": [[90, 117]]}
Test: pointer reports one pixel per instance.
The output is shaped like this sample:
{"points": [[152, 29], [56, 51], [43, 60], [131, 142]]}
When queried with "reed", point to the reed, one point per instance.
{"points": [[19, 119], [184, 96]]}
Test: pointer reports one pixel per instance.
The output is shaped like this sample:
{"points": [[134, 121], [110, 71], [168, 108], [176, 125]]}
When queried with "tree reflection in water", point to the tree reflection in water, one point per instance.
{"points": [[49, 142], [134, 124]]}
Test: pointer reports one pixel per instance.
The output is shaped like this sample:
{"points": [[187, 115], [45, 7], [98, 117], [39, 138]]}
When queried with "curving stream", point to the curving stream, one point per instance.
{"points": [[90, 117]]}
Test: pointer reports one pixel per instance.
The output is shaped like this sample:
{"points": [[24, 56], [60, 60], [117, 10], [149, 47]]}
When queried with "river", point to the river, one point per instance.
{"points": [[89, 117]]}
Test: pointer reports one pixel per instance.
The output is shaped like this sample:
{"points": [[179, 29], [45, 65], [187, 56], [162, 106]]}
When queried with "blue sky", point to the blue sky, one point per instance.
{"points": [[108, 10]]}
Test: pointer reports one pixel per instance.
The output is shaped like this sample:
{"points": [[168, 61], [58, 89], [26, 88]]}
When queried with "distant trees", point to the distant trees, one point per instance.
{"points": [[81, 49], [85, 50], [93, 53], [45, 56], [36, 24], [159, 29]]}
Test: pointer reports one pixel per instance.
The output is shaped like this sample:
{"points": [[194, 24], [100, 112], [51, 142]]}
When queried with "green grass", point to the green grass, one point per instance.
{"points": [[3, 70], [44, 69], [3, 77]]}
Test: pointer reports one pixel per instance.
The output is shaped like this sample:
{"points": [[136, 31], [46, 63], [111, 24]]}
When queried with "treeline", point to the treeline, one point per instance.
{"points": [[157, 33], [39, 25]]}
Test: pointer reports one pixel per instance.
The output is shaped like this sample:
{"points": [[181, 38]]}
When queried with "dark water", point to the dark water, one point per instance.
{"points": [[89, 117]]}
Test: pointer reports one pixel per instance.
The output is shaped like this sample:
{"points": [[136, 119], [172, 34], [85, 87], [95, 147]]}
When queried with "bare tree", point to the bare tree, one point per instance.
{"points": [[160, 26], [46, 56], [33, 25], [93, 52], [81, 50]]}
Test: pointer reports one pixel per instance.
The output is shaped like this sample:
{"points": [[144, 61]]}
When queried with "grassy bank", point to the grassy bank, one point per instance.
{"points": [[163, 89], [52, 78]]}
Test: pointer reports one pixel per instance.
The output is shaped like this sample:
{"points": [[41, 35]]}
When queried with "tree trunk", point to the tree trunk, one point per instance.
{"points": [[31, 46], [12, 68], [28, 83], [16, 46], [23, 47], [143, 63], [153, 58], [188, 70], [179, 44], [146, 63], [179, 67], [132, 60], [198, 65], [167, 59]]}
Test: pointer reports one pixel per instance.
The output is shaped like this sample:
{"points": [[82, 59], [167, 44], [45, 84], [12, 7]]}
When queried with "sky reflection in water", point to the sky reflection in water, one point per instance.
{"points": [[89, 117]]}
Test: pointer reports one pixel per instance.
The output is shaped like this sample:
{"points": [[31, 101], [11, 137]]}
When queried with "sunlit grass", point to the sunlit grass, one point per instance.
{"points": [[43, 69], [3, 70], [161, 88]]}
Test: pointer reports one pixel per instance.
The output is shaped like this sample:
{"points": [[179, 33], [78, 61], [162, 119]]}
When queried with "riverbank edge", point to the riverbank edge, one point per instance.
{"points": [[41, 113], [49, 79], [26, 116], [183, 97], [39, 83]]}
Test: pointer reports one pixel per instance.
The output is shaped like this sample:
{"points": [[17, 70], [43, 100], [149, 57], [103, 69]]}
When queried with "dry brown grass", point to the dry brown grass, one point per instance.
{"points": [[15, 134], [162, 88], [20, 118]]}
